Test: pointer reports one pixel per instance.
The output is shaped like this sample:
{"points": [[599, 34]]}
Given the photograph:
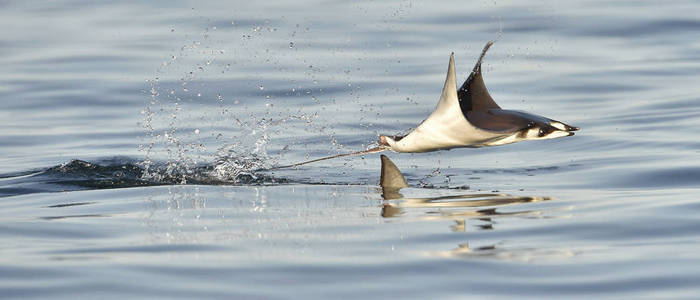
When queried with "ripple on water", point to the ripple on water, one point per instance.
{"points": [[120, 172]]}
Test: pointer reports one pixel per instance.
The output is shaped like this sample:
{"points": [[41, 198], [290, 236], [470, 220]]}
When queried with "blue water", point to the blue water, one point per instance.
{"points": [[130, 133]]}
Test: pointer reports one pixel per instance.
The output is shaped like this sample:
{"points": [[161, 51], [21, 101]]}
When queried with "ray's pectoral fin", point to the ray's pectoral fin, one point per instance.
{"points": [[422, 138], [448, 97], [473, 94], [391, 179]]}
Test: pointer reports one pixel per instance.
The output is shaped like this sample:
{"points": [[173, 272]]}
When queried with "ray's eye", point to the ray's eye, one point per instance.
{"points": [[542, 132]]}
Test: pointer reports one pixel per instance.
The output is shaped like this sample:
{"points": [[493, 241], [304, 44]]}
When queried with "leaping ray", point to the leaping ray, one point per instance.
{"points": [[470, 118], [466, 118]]}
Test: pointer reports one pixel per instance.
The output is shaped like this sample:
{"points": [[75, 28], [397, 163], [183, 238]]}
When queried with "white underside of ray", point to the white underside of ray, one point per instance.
{"points": [[446, 127]]}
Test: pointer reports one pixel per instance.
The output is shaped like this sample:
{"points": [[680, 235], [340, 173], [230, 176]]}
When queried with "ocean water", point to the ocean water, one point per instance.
{"points": [[131, 134]]}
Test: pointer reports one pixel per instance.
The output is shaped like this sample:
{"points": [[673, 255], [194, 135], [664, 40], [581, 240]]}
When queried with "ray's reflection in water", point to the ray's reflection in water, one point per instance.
{"points": [[498, 251], [482, 207], [459, 207]]}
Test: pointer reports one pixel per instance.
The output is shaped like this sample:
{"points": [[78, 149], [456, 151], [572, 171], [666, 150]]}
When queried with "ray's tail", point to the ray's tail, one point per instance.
{"points": [[363, 152]]}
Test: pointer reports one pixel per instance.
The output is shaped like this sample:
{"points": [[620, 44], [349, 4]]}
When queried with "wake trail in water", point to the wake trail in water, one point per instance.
{"points": [[125, 172]]}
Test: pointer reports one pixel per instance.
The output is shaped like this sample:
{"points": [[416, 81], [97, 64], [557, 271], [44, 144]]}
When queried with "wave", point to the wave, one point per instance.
{"points": [[122, 172]]}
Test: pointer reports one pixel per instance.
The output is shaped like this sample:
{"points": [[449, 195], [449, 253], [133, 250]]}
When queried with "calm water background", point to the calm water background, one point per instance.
{"points": [[128, 132]]}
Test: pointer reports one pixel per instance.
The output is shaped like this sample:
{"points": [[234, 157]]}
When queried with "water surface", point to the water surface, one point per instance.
{"points": [[130, 132]]}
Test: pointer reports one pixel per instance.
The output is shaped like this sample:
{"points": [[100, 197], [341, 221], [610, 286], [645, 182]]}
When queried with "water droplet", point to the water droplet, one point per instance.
{"points": [[261, 87], [196, 131], [199, 94], [291, 44]]}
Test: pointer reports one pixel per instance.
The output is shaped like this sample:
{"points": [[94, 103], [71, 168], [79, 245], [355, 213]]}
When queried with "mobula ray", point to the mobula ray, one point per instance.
{"points": [[467, 118]]}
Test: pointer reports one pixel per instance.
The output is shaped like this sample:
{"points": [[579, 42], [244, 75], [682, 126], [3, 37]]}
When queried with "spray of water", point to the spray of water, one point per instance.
{"points": [[177, 113], [194, 130]]}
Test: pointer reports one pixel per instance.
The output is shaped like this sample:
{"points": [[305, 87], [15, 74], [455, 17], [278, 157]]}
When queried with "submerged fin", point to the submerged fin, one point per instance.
{"points": [[473, 94], [391, 176], [391, 180]]}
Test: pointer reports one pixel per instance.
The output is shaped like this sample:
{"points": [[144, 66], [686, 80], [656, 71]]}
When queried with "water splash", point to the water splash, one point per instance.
{"points": [[121, 172], [191, 119], [174, 152], [233, 166]]}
